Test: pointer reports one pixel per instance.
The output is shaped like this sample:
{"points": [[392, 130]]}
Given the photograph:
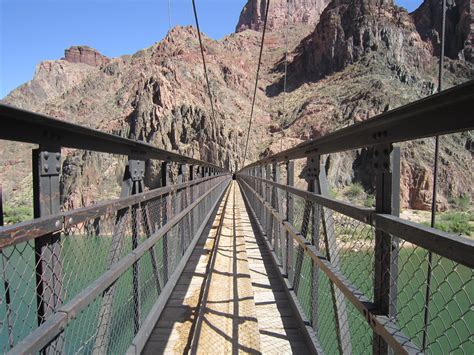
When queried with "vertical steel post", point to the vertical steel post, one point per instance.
{"points": [[165, 181], [46, 201], [191, 200], [276, 205], [268, 199], [180, 202], [136, 174], [312, 219], [395, 241], [290, 203], [383, 241], [132, 184]]}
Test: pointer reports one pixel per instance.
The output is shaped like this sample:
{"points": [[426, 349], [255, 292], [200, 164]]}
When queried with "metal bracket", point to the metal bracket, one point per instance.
{"points": [[381, 158], [137, 169], [50, 162], [311, 170]]}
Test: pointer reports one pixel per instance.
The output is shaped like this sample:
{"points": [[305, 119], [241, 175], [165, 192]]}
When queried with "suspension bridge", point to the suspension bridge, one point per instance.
{"points": [[215, 262], [247, 261]]}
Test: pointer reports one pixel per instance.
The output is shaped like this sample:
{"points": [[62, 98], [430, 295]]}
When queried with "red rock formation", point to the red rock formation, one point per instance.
{"points": [[86, 55], [301, 12]]}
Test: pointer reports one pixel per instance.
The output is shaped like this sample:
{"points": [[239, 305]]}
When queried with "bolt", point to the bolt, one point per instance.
{"points": [[58, 156], [58, 167], [58, 224], [46, 167], [46, 155], [70, 220]]}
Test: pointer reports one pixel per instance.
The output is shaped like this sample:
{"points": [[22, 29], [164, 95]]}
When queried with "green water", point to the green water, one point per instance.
{"points": [[451, 317], [85, 259]]}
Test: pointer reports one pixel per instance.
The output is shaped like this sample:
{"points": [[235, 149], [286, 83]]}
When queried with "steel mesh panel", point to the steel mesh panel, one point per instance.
{"points": [[449, 313], [354, 246], [88, 249], [450, 316]]}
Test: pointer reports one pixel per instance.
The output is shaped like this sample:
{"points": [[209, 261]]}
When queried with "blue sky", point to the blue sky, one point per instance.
{"points": [[36, 30]]}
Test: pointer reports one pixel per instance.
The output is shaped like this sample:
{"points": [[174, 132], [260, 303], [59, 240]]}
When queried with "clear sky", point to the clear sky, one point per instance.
{"points": [[35, 30]]}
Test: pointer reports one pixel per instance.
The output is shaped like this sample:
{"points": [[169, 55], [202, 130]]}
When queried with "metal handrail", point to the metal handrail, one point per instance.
{"points": [[449, 245], [447, 112], [382, 325], [21, 232], [29, 127], [54, 325]]}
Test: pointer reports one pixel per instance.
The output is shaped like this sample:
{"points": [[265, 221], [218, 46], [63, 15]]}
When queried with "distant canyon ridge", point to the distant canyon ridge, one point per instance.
{"points": [[348, 61]]}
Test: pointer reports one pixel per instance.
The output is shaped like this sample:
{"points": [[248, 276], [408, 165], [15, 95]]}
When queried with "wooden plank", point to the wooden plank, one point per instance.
{"points": [[227, 322]]}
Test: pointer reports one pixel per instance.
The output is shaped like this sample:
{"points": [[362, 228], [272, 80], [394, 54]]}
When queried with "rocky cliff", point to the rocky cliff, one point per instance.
{"points": [[348, 61], [459, 27], [296, 12], [85, 55], [349, 30]]}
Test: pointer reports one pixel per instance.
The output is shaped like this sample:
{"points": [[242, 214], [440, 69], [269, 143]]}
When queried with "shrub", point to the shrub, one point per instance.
{"points": [[454, 222], [355, 190], [461, 203], [369, 201], [17, 214]]}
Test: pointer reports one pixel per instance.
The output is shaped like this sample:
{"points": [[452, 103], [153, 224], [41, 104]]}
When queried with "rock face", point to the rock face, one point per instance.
{"points": [[300, 12], [351, 29], [361, 58], [85, 55], [459, 27]]}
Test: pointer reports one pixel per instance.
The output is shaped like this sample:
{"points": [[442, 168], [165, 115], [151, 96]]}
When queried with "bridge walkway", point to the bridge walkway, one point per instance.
{"points": [[229, 298]]}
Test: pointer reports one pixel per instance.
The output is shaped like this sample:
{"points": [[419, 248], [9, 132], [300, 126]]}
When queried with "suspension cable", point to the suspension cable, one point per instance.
{"points": [[286, 69], [169, 14], [435, 183], [256, 80], [203, 59]]}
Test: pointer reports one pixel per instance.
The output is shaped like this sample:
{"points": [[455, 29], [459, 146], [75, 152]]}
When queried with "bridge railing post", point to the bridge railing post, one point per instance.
{"points": [[268, 199], [385, 252], [167, 211], [310, 223], [275, 201], [290, 204], [46, 201]]}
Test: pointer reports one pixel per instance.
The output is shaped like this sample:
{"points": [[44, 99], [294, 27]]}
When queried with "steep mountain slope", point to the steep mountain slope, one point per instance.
{"points": [[305, 12], [348, 60]]}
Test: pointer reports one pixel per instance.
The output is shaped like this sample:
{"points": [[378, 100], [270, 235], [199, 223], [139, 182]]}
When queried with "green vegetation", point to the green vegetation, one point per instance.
{"points": [[461, 203], [455, 222], [16, 214], [369, 201], [355, 190]]}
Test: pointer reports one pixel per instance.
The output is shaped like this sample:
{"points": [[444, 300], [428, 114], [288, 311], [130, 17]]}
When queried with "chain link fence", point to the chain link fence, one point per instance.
{"points": [[431, 295], [133, 250]]}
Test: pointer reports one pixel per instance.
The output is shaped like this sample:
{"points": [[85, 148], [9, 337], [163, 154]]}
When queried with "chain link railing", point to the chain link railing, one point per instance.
{"points": [[112, 269], [326, 250]]}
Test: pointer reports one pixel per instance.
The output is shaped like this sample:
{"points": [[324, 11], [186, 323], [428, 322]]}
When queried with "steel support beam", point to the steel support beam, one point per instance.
{"points": [[383, 241], [46, 201]]}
